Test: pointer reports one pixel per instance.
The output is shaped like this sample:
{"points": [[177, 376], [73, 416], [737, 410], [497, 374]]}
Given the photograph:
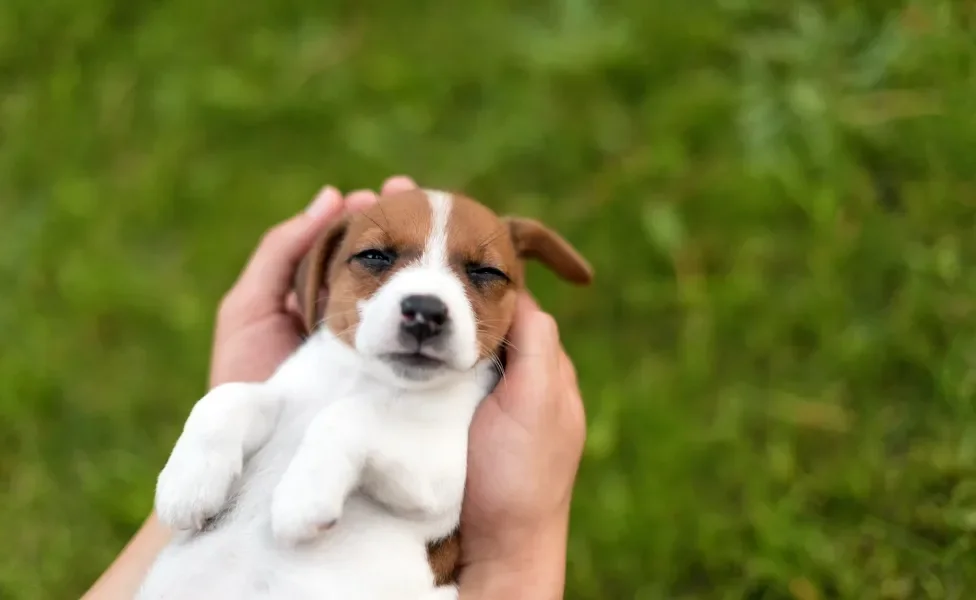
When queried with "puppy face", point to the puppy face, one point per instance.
{"points": [[423, 283]]}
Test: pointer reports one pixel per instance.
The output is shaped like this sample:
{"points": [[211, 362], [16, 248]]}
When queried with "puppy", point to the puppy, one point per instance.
{"points": [[341, 476]]}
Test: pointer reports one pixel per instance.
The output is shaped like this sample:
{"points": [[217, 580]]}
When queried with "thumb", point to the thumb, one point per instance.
{"points": [[534, 342], [272, 265]]}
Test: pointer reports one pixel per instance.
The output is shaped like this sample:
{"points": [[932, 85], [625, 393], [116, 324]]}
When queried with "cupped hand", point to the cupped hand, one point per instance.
{"points": [[526, 442]]}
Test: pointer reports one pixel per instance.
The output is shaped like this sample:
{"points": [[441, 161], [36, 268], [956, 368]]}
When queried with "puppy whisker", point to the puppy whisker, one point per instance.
{"points": [[325, 320], [385, 218], [492, 237], [381, 228], [499, 341], [497, 362]]}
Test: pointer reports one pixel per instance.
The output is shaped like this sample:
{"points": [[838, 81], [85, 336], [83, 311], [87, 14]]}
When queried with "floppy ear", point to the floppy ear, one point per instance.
{"points": [[313, 271], [534, 240]]}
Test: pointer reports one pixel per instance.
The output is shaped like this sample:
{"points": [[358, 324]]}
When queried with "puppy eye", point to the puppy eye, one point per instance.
{"points": [[375, 259], [483, 275]]}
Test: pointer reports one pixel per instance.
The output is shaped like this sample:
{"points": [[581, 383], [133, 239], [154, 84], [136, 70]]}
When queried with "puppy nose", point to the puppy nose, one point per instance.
{"points": [[423, 316]]}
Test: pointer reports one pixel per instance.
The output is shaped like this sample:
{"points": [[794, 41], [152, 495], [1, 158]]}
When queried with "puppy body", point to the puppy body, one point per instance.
{"points": [[321, 409], [332, 478]]}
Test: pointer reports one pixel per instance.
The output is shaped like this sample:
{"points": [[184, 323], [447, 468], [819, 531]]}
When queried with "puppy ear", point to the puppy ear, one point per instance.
{"points": [[313, 272], [532, 239]]}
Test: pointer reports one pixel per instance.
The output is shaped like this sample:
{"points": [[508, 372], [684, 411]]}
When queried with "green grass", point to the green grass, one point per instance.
{"points": [[778, 358]]}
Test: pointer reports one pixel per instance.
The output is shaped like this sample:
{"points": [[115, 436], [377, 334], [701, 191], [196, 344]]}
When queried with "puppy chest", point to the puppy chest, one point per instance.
{"points": [[424, 445], [264, 469], [410, 458]]}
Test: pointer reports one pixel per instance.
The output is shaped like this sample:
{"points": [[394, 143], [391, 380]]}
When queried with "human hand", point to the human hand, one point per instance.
{"points": [[259, 322], [526, 442]]}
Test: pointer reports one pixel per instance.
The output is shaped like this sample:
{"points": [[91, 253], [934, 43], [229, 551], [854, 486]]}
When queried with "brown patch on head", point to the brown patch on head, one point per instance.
{"points": [[481, 254], [330, 284], [480, 243]]}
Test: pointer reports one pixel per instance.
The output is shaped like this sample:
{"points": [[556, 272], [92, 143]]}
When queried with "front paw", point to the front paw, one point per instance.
{"points": [[302, 508], [195, 483]]}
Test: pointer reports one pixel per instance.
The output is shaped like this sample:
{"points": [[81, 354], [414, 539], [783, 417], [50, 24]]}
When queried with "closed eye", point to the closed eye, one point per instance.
{"points": [[375, 259], [484, 274]]}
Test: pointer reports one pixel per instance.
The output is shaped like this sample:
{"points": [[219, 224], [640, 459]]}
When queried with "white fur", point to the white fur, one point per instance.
{"points": [[333, 475], [435, 251]]}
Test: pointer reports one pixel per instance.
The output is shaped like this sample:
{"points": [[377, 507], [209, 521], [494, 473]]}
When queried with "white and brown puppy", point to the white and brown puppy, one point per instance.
{"points": [[333, 478]]}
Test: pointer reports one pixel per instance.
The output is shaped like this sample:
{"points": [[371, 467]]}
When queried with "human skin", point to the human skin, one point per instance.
{"points": [[526, 438]]}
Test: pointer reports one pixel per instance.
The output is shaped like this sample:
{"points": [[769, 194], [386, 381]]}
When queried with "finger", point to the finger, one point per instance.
{"points": [[272, 266], [569, 406], [533, 364], [397, 184], [535, 338], [360, 200], [567, 370], [291, 303]]}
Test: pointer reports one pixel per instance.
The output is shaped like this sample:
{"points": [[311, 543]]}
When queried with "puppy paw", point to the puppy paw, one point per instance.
{"points": [[301, 510], [195, 483]]}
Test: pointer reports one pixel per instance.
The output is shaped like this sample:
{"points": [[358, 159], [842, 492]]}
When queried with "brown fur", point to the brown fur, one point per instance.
{"points": [[327, 285], [401, 225], [476, 236]]}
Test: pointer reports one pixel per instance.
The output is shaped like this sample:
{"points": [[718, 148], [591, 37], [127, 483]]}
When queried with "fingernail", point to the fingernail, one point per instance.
{"points": [[328, 200], [398, 183]]}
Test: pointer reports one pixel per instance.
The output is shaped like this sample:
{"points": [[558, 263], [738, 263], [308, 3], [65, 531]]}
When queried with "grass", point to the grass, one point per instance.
{"points": [[778, 358]]}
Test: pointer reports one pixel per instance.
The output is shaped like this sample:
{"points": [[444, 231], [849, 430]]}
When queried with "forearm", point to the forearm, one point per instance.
{"points": [[123, 577]]}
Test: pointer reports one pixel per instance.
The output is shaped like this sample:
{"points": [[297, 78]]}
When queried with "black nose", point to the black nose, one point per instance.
{"points": [[423, 316]]}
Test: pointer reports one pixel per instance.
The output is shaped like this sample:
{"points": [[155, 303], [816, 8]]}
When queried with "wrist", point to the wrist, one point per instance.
{"points": [[532, 569]]}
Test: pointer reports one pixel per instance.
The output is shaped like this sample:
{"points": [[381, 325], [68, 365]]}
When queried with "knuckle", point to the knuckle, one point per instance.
{"points": [[571, 375], [281, 234], [581, 437], [577, 421], [573, 408], [274, 236], [568, 367]]}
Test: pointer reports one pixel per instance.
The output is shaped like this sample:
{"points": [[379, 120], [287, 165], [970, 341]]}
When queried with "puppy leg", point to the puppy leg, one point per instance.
{"points": [[325, 469], [224, 427]]}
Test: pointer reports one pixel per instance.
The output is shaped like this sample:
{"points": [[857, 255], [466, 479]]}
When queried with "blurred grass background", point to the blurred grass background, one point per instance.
{"points": [[778, 358]]}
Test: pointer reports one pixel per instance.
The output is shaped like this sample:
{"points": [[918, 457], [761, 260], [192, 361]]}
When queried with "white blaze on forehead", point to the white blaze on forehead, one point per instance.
{"points": [[381, 315], [435, 249]]}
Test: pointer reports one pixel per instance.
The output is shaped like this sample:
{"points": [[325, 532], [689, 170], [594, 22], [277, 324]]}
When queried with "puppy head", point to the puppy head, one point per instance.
{"points": [[423, 283]]}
